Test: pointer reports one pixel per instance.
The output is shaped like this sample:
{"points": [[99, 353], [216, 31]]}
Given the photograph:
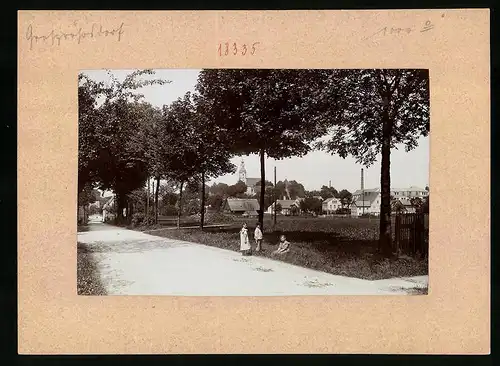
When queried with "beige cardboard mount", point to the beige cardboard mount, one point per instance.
{"points": [[452, 44]]}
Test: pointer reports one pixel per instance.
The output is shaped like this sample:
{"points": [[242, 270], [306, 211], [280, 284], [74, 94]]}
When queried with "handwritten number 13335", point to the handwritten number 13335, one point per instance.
{"points": [[227, 48]]}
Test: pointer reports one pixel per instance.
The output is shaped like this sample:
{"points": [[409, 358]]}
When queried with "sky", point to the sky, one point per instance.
{"points": [[313, 170]]}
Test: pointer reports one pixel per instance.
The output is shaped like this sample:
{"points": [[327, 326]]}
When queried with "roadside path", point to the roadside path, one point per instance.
{"points": [[135, 263]]}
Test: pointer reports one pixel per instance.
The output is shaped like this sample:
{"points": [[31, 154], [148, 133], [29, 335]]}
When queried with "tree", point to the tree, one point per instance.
{"points": [[88, 139], [397, 206], [278, 207], [215, 201], [295, 189], [416, 203], [261, 111], [345, 198], [267, 185], [313, 193], [122, 165], [424, 208], [181, 148], [271, 195], [219, 189], [110, 118], [157, 150], [198, 152], [310, 204], [369, 112], [85, 197], [213, 154], [237, 190], [328, 192]]}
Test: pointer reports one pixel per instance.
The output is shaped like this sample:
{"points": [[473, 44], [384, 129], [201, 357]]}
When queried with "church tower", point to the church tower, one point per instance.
{"points": [[242, 173]]}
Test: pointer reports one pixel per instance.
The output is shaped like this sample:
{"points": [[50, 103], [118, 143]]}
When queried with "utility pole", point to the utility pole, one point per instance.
{"points": [[274, 201]]}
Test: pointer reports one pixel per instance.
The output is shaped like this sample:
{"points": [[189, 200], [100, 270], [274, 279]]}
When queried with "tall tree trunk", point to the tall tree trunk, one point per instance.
{"points": [[120, 205], [202, 210], [274, 199], [385, 238], [130, 211], [179, 213], [154, 206], [156, 198], [262, 188], [85, 216], [147, 199]]}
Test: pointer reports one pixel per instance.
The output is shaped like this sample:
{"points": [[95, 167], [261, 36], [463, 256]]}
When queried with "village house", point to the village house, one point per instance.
{"points": [[330, 205], [288, 207], [410, 192], [367, 204], [241, 206], [370, 203], [402, 204]]}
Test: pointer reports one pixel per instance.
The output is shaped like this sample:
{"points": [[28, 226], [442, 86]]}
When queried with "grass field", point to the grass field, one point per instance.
{"points": [[339, 245], [88, 281]]}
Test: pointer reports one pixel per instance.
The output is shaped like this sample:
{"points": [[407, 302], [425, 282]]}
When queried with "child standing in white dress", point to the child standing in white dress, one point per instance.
{"points": [[244, 241]]}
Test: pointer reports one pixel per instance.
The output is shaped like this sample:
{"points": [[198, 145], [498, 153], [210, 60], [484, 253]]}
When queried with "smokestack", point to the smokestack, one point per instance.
{"points": [[330, 184]]}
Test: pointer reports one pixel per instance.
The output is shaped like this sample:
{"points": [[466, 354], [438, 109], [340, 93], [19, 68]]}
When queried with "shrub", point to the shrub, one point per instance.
{"points": [[139, 219], [213, 218]]}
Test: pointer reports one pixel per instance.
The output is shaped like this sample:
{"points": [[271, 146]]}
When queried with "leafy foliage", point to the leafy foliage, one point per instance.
{"points": [[295, 189], [369, 112], [416, 203], [112, 151], [345, 198], [310, 204], [260, 111], [328, 192], [353, 103]]}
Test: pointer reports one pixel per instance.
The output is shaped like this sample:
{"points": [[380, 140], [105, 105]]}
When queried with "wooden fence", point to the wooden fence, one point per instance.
{"points": [[411, 234]]}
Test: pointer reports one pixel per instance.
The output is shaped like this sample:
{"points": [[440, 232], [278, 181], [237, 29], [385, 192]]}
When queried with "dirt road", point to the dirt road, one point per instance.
{"points": [[134, 263]]}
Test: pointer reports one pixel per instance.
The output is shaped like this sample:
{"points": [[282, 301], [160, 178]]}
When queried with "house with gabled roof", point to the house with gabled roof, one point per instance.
{"points": [[288, 207], [330, 205], [367, 202], [409, 192], [370, 202], [403, 204], [240, 206]]}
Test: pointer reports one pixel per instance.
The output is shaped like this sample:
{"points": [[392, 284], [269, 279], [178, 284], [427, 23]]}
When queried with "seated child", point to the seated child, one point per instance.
{"points": [[284, 246]]}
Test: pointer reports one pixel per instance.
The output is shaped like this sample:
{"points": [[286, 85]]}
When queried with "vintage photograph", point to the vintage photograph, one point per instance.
{"points": [[253, 182]]}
